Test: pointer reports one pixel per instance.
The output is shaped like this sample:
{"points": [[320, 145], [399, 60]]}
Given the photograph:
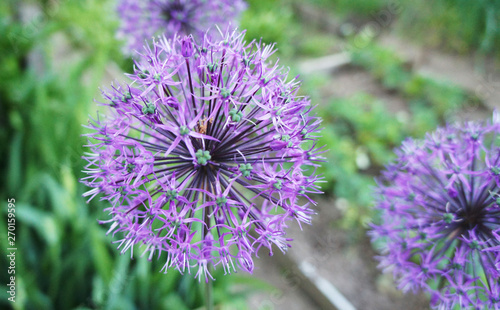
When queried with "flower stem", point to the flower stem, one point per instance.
{"points": [[209, 298]]}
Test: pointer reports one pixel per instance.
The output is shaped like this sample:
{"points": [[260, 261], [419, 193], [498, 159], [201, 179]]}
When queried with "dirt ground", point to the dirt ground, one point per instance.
{"points": [[343, 259]]}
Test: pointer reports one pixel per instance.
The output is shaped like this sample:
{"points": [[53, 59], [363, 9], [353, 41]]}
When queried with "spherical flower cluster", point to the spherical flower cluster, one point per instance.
{"points": [[143, 19], [207, 143], [439, 203]]}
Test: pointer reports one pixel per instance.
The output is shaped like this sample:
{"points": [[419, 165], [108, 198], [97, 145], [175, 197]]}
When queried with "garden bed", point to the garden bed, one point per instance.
{"points": [[345, 257]]}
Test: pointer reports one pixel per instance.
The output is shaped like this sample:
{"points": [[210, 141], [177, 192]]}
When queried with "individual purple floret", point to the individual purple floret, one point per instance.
{"points": [[143, 19], [439, 205], [208, 142]]}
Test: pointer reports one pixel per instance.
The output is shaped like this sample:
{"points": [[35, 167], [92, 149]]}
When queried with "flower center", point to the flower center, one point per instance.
{"points": [[174, 11], [470, 218], [202, 157]]}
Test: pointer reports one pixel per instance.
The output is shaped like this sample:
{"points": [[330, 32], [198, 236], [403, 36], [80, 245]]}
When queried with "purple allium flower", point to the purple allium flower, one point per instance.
{"points": [[439, 203], [143, 19], [208, 142]]}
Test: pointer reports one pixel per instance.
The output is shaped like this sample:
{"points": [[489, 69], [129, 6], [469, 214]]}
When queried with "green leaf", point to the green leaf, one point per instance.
{"points": [[42, 221]]}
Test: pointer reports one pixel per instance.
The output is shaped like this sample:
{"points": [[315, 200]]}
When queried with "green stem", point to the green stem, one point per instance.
{"points": [[209, 298]]}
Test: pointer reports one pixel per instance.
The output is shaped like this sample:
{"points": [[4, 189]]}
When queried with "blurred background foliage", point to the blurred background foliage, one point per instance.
{"points": [[455, 25], [55, 55]]}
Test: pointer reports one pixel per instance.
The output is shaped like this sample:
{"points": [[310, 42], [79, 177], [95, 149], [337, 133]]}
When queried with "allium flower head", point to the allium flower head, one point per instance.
{"points": [[440, 216], [208, 142], [143, 19]]}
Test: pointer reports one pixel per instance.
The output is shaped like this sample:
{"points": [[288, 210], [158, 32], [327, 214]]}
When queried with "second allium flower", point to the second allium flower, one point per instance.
{"points": [[208, 142], [143, 19], [440, 216]]}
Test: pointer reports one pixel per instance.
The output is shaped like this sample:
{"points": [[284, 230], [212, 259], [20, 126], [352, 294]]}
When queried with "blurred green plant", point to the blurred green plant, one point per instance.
{"points": [[275, 21], [271, 20], [429, 99], [457, 25], [360, 8], [360, 134], [51, 67]]}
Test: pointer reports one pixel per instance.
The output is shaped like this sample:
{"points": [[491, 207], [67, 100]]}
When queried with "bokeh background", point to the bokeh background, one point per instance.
{"points": [[378, 71]]}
